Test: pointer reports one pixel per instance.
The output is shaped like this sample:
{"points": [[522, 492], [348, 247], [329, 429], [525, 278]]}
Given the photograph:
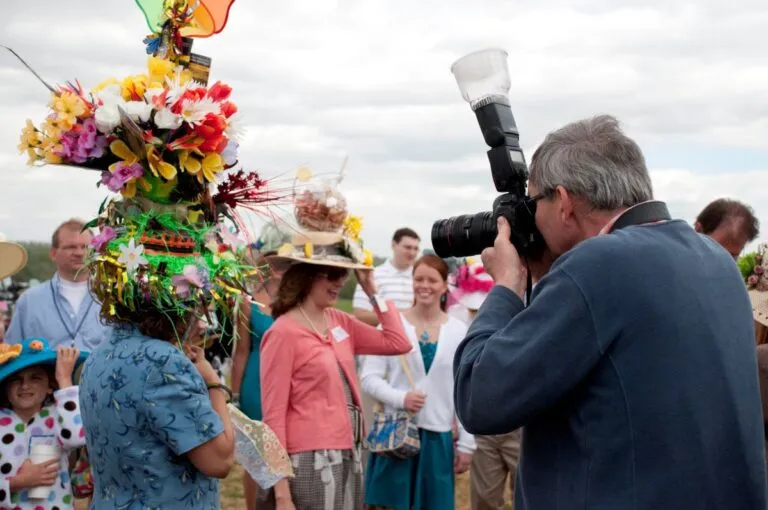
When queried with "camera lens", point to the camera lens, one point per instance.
{"points": [[463, 236]]}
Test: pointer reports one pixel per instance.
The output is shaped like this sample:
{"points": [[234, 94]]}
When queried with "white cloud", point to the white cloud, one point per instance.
{"points": [[316, 80]]}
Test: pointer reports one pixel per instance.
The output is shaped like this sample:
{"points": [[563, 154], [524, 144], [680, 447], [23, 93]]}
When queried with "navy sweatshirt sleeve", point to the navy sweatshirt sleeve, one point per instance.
{"points": [[516, 361]]}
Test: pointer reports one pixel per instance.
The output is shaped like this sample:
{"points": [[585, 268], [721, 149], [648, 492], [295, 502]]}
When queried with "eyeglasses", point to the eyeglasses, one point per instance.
{"points": [[335, 273], [530, 202]]}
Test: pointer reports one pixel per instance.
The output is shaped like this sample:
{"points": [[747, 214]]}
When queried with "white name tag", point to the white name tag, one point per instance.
{"points": [[339, 334]]}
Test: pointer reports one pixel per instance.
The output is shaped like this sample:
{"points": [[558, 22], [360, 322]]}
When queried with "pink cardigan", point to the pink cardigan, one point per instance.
{"points": [[301, 392]]}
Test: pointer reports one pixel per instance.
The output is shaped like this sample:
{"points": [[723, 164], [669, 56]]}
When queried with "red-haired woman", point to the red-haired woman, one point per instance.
{"points": [[425, 481], [309, 389]]}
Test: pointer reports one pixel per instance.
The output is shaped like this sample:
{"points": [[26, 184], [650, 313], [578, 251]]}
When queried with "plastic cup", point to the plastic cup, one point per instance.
{"points": [[42, 453]]}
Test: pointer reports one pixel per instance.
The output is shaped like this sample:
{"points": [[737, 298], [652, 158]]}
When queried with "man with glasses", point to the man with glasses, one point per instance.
{"points": [[633, 369], [61, 309]]}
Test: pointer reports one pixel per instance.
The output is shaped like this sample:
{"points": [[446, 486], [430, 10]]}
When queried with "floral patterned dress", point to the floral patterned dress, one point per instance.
{"points": [[56, 424], [144, 406]]}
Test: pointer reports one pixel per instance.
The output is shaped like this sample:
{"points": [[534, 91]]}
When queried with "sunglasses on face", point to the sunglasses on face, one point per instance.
{"points": [[335, 273]]}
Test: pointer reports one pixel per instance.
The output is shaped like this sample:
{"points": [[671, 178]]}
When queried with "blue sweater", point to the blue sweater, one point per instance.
{"points": [[634, 373]]}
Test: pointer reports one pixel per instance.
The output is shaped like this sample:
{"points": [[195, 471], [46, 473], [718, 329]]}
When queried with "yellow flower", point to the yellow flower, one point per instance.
{"points": [[30, 137], [308, 250], [68, 107], [52, 127], [188, 162], [50, 156], [353, 225], [106, 83], [33, 156], [368, 258], [159, 69], [285, 250], [158, 166], [133, 87], [213, 163], [303, 174]]}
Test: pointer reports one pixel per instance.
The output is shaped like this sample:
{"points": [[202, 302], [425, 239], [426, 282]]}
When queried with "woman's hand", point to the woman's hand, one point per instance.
{"points": [[284, 504], [197, 356], [414, 401], [66, 357], [365, 279], [461, 462]]}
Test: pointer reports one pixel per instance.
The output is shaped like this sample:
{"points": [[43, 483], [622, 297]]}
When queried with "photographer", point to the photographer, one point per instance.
{"points": [[633, 368]]}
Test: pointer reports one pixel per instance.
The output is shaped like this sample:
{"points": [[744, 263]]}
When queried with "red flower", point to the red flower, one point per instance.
{"points": [[219, 92], [212, 130], [228, 109], [195, 94]]}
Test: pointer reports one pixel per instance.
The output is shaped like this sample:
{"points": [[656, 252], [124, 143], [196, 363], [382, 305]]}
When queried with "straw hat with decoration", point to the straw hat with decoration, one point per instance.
{"points": [[13, 258]]}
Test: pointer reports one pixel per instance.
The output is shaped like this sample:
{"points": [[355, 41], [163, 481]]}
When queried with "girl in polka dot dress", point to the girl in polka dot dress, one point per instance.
{"points": [[40, 405]]}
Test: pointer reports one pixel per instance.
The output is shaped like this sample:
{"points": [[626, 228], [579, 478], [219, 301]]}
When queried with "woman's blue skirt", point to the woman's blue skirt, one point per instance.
{"points": [[423, 482]]}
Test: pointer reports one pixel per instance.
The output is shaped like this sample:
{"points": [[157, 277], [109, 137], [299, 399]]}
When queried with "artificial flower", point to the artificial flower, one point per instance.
{"points": [[107, 117], [123, 178], [30, 139], [219, 92], [195, 111], [303, 174], [166, 119], [191, 276], [102, 238], [121, 150], [68, 107], [158, 166], [157, 97], [285, 250], [133, 87], [228, 109], [138, 111], [82, 143], [188, 162], [212, 164], [211, 129], [368, 258], [159, 69], [109, 82], [353, 225], [308, 250], [229, 238], [132, 256], [235, 129]]}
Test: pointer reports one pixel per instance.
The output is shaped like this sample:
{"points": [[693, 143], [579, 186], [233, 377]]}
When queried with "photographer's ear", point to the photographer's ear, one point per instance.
{"points": [[567, 205]]}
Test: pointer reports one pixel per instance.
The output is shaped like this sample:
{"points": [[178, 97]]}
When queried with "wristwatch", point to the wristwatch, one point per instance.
{"points": [[377, 301]]}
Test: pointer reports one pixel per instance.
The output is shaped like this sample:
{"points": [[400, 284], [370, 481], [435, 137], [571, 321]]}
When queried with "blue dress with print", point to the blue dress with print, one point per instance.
{"points": [[144, 405], [250, 388]]}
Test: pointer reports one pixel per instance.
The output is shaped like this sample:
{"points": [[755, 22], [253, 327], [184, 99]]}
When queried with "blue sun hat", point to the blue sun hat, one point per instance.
{"points": [[30, 352]]}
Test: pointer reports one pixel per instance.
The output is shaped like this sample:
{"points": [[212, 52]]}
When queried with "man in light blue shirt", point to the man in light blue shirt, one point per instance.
{"points": [[61, 309]]}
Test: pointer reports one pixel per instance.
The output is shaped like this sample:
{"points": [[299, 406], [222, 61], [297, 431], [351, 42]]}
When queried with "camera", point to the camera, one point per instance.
{"points": [[483, 79]]}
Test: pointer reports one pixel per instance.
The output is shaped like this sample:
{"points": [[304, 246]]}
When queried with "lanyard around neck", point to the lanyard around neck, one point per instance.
{"points": [[61, 315]]}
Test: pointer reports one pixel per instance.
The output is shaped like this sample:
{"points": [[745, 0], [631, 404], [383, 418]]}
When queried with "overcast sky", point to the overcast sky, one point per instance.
{"points": [[316, 80]]}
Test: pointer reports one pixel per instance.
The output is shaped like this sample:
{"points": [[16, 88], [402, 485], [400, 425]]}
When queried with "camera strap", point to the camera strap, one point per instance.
{"points": [[647, 212]]}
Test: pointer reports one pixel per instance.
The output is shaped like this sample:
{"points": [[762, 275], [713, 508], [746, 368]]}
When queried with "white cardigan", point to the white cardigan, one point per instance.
{"points": [[438, 412]]}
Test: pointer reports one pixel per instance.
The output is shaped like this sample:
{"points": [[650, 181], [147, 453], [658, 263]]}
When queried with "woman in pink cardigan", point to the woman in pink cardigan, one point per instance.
{"points": [[310, 392]]}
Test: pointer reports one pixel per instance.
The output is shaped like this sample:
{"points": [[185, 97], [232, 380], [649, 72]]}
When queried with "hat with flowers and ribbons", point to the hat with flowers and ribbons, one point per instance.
{"points": [[326, 233], [164, 141], [30, 352], [470, 284], [754, 269]]}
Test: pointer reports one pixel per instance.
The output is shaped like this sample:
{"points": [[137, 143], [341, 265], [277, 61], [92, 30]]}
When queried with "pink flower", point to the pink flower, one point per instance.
{"points": [[102, 238], [758, 270], [123, 173], [191, 275], [752, 280]]}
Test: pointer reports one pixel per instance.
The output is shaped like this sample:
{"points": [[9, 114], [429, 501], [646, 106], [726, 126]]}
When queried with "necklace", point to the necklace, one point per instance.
{"points": [[71, 334], [426, 327], [311, 324]]}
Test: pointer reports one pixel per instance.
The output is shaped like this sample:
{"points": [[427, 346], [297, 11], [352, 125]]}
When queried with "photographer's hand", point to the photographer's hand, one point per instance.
{"points": [[503, 263]]}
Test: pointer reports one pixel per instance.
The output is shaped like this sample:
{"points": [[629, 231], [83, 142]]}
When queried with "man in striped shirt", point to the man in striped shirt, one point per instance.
{"points": [[394, 278]]}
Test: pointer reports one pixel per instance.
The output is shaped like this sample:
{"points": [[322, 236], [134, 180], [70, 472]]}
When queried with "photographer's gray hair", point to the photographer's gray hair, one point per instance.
{"points": [[594, 159]]}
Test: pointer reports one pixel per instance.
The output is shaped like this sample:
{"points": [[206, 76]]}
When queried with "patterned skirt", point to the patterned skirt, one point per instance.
{"points": [[328, 479]]}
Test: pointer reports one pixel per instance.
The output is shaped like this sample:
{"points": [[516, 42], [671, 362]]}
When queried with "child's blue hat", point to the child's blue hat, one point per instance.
{"points": [[30, 352]]}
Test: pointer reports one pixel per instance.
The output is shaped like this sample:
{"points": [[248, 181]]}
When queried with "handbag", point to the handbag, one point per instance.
{"points": [[394, 435], [81, 479]]}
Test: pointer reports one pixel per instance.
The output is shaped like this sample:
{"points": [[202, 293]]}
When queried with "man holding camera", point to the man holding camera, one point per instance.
{"points": [[633, 368]]}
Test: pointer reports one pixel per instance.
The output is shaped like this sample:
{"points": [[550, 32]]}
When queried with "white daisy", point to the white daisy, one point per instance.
{"points": [[194, 112], [132, 256]]}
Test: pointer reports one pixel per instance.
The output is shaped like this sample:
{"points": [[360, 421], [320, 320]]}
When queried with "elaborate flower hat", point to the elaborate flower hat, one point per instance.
{"points": [[754, 268], [161, 139], [471, 284], [327, 234], [33, 351]]}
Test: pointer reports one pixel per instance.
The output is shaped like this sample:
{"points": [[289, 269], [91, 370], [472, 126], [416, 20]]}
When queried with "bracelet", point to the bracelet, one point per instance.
{"points": [[222, 387], [376, 301]]}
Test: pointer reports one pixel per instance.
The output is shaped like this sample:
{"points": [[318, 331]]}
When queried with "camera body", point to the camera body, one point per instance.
{"points": [[470, 234]]}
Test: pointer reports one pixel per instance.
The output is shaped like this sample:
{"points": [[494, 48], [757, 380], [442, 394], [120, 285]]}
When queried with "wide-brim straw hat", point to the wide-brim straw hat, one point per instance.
{"points": [[321, 248], [13, 258]]}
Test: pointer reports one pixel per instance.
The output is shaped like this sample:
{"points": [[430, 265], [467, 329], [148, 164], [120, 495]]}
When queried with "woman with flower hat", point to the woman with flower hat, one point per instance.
{"points": [[310, 394], [422, 384], [39, 409]]}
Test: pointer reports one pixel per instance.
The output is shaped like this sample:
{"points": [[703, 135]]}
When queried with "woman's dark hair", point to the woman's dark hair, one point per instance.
{"points": [[151, 322], [295, 287], [441, 267]]}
